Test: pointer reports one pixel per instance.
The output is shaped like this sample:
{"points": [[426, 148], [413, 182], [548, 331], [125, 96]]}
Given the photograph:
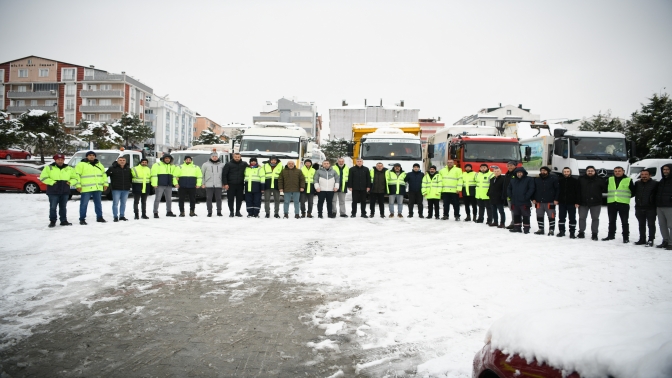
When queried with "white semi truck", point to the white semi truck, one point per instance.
{"points": [[286, 141], [387, 143]]}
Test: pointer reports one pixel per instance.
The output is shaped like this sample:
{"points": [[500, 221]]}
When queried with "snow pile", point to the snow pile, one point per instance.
{"points": [[595, 342], [100, 130], [36, 113]]}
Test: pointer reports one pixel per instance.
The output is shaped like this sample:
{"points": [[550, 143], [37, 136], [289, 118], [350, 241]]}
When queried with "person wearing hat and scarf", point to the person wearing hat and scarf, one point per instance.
{"points": [[163, 174], [212, 182], [91, 182], [58, 177], [255, 181], [187, 179], [142, 177]]}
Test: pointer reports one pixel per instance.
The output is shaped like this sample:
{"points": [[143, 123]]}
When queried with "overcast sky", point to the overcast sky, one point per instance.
{"points": [[224, 59]]}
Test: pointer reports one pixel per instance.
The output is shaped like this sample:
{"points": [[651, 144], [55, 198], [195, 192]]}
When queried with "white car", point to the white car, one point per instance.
{"points": [[652, 164]]}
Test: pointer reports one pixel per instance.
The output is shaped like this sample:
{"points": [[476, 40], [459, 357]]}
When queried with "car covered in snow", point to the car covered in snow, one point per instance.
{"points": [[579, 342], [14, 153], [21, 177]]}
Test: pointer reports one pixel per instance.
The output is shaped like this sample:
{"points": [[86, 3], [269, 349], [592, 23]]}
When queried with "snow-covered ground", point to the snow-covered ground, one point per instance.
{"points": [[434, 286]]}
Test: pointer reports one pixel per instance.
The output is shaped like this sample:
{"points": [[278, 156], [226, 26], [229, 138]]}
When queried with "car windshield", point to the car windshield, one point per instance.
{"points": [[29, 170], [392, 149], [491, 152], [598, 149], [105, 158], [197, 159], [270, 146]]}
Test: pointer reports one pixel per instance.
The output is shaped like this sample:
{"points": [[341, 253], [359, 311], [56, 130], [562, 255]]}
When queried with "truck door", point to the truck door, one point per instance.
{"points": [[560, 155]]}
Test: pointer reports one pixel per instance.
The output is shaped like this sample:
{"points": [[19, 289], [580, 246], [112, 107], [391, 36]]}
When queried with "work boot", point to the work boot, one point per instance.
{"points": [[231, 215], [343, 216], [303, 214], [209, 214], [115, 219], [510, 226], [649, 243], [540, 232], [445, 217], [170, 214], [526, 230], [52, 224], [663, 244], [391, 215], [551, 233], [457, 218], [144, 216], [181, 214], [571, 235], [123, 218], [640, 242], [238, 214], [626, 239], [286, 216], [410, 215], [82, 222], [268, 215], [65, 223], [421, 216], [467, 219], [609, 237], [319, 215], [353, 216], [501, 225], [364, 216], [297, 216], [309, 215], [156, 215], [276, 216], [101, 220], [136, 216], [581, 235], [382, 216], [192, 214], [594, 237], [399, 215], [560, 234], [219, 213]]}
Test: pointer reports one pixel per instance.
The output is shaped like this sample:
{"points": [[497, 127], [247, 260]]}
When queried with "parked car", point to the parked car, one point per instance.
{"points": [[22, 178], [13, 153], [652, 165], [492, 363]]}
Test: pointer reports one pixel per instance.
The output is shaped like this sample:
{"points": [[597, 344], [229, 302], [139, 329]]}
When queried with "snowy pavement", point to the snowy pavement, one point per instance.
{"points": [[422, 288]]}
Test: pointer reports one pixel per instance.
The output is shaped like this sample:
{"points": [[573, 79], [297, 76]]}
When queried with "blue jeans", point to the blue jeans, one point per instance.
{"points": [[292, 196], [400, 202], [119, 198], [97, 204], [60, 201]]}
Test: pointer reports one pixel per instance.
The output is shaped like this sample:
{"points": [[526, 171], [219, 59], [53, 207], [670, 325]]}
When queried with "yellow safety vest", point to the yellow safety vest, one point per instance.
{"points": [[451, 179], [252, 175], [272, 174], [431, 186], [621, 194], [482, 185], [90, 178], [308, 173], [141, 175], [395, 180]]}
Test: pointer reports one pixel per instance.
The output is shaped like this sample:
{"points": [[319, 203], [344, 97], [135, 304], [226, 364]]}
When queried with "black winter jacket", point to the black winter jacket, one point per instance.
{"points": [[497, 190], [379, 184], [521, 189], [569, 192], [546, 189], [234, 173], [645, 194], [414, 180], [664, 191], [359, 178], [508, 176], [120, 178], [591, 190]]}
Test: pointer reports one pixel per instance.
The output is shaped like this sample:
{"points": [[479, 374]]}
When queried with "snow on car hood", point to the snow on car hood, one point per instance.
{"points": [[595, 342]]}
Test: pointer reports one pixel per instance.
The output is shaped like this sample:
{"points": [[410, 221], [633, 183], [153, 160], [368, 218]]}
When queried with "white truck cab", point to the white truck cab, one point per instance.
{"points": [[286, 141], [390, 146]]}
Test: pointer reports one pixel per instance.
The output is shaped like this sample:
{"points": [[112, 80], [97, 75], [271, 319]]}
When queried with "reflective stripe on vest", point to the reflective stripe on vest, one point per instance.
{"points": [[251, 176], [621, 194], [394, 179], [308, 174], [273, 174]]}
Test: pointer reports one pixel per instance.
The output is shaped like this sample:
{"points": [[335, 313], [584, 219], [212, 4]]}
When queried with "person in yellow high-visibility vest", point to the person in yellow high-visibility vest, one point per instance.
{"points": [[619, 191], [451, 176], [469, 193], [188, 178], [142, 177], [431, 189], [309, 194], [482, 180]]}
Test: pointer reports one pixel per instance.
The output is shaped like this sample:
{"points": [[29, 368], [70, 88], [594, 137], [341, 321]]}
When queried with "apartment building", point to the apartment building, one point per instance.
{"points": [[204, 123], [499, 116], [172, 123], [302, 113], [74, 92], [341, 119]]}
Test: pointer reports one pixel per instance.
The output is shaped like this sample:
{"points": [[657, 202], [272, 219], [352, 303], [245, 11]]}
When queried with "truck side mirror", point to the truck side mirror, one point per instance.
{"points": [[351, 149], [430, 151], [564, 155], [559, 133], [528, 152], [453, 154], [633, 149]]}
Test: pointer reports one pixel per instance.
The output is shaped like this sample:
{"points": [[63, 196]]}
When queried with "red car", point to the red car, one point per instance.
{"points": [[22, 178], [14, 154], [492, 363]]}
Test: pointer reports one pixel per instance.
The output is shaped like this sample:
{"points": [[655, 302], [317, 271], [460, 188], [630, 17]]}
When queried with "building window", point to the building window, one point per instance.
{"points": [[104, 117], [70, 89], [2, 76], [39, 87], [92, 87], [68, 74], [21, 88], [88, 72], [105, 87], [91, 102], [23, 73], [30, 61], [69, 104], [50, 102], [70, 118], [482, 123], [508, 112], [44, 72], [33, 102], [106, 101], [20, 102], [90, 117]]}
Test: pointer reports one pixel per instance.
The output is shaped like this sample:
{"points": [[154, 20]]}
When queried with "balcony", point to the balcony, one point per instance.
{"points": [[41, 94], [101, 108], [23, 109], [101, 94], [101, 76]]}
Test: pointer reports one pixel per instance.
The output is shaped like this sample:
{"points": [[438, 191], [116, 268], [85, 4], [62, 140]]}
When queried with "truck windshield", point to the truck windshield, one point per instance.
{"points": [[391, 150], [491, 152], [105, 158], [598, 149], [280, 147], [197, 159]]}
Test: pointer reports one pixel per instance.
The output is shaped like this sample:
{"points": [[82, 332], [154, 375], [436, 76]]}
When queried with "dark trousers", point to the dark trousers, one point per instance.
{"points": [[433, 205], [414, 198], [359, 197], [621, 210], [306, 197], [253, 203], [137, 197], [187, 192], [470, 202], [380, 198], [60, 201], [451, 199], [216, 193], [235, 193], [565, 210], [484, 208], [646, 217], [498, 212], [324, 196], [521, 216]]}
